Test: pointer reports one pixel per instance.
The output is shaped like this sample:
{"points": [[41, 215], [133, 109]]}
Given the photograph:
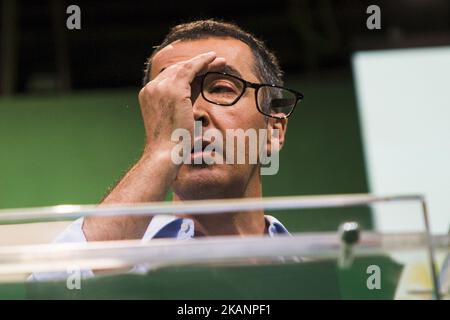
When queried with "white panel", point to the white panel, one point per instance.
{"points": [[404, 106]]}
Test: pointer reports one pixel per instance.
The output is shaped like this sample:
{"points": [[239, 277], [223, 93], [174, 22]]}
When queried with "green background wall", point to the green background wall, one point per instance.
{"points": [[71, 148]]}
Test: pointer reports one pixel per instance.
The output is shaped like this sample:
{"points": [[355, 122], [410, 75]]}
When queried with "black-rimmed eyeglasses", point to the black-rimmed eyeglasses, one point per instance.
{"points": [[223, 89]]}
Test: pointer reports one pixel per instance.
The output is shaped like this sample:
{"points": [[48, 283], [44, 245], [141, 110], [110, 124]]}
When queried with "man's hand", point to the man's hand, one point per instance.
{"points": [[166, 100], [166, 105]]}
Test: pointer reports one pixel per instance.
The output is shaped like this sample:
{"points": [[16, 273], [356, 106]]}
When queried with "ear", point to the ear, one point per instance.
{"points": [[277, 140]]}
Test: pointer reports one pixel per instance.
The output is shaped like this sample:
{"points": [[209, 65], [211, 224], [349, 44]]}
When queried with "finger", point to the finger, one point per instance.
{"points": [[187, 70], [195, 65], [216, 65]]}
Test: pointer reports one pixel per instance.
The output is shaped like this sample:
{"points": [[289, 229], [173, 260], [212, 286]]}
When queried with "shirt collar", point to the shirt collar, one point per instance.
{"points": [[165, 226]]}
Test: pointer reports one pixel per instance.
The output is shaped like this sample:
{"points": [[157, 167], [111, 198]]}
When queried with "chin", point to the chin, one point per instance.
{"points": [[197, 182]]}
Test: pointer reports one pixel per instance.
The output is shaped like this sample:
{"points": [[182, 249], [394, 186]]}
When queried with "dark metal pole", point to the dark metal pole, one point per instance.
{"points": [[8, 47], [431, 256]]}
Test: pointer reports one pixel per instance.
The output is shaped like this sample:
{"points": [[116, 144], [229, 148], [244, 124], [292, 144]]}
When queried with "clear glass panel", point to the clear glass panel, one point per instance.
{"points": [[305, 265]]}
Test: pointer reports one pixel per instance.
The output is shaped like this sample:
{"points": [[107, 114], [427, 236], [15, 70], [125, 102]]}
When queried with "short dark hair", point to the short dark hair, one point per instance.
{"points": [[267, 68]]}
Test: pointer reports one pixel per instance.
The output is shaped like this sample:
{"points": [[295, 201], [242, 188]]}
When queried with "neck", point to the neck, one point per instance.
{"points": [[232, 223]]}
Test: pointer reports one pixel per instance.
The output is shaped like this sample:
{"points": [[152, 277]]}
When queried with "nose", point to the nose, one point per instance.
{"points": [[199, 106]]}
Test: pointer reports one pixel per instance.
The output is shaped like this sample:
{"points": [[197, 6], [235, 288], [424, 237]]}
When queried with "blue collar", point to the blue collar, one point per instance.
{"points": [[165, 226]]}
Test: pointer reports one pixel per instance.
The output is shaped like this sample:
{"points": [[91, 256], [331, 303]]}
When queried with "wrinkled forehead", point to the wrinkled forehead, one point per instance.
{"points": [[238, 55]]}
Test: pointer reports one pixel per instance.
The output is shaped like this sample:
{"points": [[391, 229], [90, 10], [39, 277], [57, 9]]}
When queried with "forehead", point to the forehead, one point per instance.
{"points": [[236, 53]]}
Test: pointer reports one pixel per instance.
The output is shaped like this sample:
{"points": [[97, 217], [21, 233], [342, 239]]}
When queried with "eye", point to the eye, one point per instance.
{"points": [[222, 87]]}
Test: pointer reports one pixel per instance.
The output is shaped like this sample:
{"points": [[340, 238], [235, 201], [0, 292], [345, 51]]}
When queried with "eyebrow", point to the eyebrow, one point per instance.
{"points": [[230, 70]]}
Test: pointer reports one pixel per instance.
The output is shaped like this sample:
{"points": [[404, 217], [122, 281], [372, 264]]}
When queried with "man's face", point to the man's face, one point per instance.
{"points": [[217, 180]]}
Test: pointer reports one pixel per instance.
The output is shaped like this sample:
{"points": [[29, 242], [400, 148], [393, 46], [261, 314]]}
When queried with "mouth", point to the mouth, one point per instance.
{"points": [[198, 151], [199, 146]]}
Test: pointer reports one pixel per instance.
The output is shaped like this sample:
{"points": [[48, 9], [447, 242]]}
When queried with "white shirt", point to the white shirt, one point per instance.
{"points": [[161, 226]]}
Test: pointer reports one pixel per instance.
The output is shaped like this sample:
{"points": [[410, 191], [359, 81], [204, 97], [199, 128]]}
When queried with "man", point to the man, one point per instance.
{"points": [[209, 73]]}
